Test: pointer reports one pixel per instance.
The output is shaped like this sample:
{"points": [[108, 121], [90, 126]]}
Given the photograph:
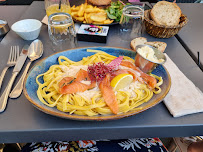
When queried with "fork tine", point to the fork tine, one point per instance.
{"points": [[12, 55]]}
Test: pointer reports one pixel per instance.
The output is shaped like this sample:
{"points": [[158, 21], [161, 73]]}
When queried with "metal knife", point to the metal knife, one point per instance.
{"points": [[19, 64]]}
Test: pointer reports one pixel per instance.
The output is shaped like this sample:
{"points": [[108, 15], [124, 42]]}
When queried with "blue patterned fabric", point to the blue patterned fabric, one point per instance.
{"points": [[125, 145]]}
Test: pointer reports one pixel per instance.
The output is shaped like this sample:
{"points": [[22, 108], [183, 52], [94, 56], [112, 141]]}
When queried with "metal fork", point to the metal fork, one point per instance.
{"points": [[14, 54]]}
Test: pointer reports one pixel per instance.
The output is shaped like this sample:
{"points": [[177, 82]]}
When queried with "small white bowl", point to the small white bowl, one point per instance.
{"points": [[27, 29]]}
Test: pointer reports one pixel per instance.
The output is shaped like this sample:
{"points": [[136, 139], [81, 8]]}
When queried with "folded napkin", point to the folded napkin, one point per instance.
{"points": [[45, 20], [184, 97]]}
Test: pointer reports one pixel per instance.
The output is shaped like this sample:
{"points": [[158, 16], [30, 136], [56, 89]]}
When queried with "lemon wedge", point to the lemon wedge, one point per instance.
{"points": [[121, 81]]}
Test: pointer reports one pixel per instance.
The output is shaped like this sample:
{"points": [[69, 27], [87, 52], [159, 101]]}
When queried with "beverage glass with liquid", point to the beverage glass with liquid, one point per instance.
{"points": [[56, 6], [62, 31], [131, 22]]}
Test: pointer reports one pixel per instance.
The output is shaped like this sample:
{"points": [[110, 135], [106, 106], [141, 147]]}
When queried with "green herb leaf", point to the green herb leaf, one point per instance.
{"points": [[115, 10], [111, 16], [112, 10]]}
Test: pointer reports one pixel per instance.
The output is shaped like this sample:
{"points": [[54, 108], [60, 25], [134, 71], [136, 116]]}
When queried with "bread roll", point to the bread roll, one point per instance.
{"points": [[166, 13]]}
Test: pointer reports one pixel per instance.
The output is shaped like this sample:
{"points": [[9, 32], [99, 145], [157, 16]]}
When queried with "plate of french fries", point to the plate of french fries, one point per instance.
{"points": [[89, 14]]}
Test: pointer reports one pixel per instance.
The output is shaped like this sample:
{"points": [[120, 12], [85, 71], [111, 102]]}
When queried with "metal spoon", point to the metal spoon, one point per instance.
{"points": [[35, 51]]}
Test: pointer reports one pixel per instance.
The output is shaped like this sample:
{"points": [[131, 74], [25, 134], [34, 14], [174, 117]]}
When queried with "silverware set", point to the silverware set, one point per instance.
{"points": [[34, 51], [13, 56]]}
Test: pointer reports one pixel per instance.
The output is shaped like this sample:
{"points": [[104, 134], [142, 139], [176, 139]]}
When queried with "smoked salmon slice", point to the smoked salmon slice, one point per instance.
{"points": [[74, 87], [149, 80], [65, 81], [69, 85], [108, 94], [122, 71], [82, 75]]}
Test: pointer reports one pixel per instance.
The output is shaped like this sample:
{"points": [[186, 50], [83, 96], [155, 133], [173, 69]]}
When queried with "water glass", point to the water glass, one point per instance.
{"points": [[131, 22], [62, 31]]}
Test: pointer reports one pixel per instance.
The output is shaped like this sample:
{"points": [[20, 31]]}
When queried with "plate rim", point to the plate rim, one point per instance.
{"points": [[88, 118]]}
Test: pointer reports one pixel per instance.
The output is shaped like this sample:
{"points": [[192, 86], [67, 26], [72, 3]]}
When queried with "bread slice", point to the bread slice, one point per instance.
{"points": [[137, 41], [159, 45], [142, 40], [166, 13]]}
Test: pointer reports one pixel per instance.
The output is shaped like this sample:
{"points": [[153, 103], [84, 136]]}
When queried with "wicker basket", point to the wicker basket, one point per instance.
{"points": [[160, 31]]}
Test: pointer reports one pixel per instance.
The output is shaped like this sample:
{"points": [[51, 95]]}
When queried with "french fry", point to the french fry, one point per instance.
{"points": [[91, 10], [81, 10], [80, 18], [89, 6], [85, 15], [89, 14], [75, 9], [88, 19], [102, 11], [74, 14], [108, 21], [98, 17], [98, 23]]}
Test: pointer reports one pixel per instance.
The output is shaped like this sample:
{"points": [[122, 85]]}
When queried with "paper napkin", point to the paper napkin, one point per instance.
{"points": [[184, 97], [45, 20]]}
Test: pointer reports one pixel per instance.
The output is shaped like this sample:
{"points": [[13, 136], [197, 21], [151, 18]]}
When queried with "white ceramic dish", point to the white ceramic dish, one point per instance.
{"points": [[27, 29]]}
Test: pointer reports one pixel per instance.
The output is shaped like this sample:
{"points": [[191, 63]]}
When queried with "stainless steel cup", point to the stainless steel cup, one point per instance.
{"points": [[4, 28], [145, 64]]}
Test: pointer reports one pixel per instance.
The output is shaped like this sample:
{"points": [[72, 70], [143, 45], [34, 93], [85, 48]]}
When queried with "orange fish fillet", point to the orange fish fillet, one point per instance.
{"points": [[108, 94], [69, 85], [74, 87], [82, 75], [151, 81]]}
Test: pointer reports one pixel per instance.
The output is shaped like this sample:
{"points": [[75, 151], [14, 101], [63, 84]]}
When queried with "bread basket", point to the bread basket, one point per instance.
{"points": [[160, 31]]}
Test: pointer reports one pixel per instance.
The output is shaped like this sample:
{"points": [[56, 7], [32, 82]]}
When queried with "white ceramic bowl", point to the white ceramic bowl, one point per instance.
{"points": [[27, 29]]}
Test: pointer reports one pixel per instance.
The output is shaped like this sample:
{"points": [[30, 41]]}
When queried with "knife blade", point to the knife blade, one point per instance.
{"points": [[21, 59], [19, 64]]}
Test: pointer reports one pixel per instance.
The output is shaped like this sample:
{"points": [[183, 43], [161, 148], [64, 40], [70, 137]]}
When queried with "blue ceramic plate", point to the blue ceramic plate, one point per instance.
{"points": [[30, 87]]}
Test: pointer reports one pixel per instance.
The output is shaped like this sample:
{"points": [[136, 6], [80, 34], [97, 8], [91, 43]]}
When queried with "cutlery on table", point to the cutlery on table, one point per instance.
{"points": [[19, 64], [13, 56], [35, 51]]}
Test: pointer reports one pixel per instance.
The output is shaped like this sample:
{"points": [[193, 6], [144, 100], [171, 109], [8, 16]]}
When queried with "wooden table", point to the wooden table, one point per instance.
{"points": [[21, 122]]}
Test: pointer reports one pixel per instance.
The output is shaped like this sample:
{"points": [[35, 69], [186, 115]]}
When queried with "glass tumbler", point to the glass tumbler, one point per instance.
{"points": [[62, 31], [56, 6], [131, 22]]}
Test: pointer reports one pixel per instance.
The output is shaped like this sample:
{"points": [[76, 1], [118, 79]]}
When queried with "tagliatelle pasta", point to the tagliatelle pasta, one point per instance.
{"points": [[90, 102]]}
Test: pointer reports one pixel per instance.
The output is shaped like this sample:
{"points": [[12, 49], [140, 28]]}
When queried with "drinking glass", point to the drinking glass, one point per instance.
{"points": [[56, 6], [62, 31], [131, 22]]}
